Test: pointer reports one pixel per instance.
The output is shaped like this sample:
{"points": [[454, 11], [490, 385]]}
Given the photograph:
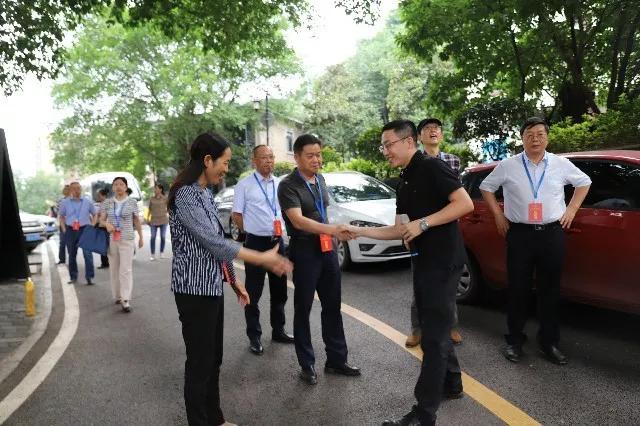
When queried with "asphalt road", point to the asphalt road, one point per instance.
{"points": [[128, 368]]}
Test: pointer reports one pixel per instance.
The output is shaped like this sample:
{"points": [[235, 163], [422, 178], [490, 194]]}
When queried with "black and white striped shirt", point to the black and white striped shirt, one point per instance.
{"points": [[198, 243], [125, 215]]}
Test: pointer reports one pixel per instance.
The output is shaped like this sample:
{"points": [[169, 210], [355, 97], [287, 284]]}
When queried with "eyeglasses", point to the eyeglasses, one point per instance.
{"points": [[385, 146]]}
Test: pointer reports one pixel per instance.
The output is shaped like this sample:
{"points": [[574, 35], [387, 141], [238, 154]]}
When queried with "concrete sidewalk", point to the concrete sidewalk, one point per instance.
{"points": [[18, 332]]}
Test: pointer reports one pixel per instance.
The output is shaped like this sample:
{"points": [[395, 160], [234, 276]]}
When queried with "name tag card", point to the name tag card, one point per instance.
{"points": [[277, 228], [75, 225], [117, 235], [326, 243], [535, 212]]}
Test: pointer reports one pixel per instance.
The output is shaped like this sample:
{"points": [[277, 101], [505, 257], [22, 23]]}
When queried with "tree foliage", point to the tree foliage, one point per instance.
{"points": [[37, 193], [576, 51], [139, 99]]}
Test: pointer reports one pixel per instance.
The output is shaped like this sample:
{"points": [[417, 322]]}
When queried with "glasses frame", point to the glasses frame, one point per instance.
{"points": [[385, 146]]}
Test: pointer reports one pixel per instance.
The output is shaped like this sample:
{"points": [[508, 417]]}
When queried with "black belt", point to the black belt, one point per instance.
{"points": [[263, 237], [535, 226]]}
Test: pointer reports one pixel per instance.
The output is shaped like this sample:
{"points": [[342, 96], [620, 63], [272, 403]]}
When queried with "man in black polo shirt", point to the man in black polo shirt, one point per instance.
{"points": [[304, 199], [431, 195]]}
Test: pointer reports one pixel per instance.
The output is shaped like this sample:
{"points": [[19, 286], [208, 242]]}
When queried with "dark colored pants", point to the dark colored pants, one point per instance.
{"points": [[202, 319], [104, 260], [316, 271], [542, 251], [154, 230], [435, 293], [72, 238], [62, 247], [254, 285]]}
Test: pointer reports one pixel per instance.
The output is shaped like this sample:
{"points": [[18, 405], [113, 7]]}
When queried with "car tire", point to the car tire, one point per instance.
{"points": [[469, 288], [344, 257], [234, 231]]}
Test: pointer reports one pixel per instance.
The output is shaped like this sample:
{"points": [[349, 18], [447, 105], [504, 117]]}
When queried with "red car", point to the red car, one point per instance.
{"points": [[603, 243]]}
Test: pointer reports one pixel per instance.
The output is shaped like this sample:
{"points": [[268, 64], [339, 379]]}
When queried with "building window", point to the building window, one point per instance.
{"points": [[289, 141]]}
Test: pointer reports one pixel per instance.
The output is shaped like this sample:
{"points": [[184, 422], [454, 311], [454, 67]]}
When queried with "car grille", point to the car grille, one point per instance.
{"points": [[395, 250]]}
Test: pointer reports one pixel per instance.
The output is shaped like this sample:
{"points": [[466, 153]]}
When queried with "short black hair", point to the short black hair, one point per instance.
{"points": [[304, 140], [256, 148], [405, 128], [104, 192], [426, 121], [533, 121]]}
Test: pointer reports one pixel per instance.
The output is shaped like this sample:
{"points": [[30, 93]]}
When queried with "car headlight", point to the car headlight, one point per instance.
{"points": [[365, 223]]}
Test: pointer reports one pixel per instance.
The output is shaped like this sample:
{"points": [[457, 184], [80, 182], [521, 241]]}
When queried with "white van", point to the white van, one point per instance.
{"points": [[93, 183]]}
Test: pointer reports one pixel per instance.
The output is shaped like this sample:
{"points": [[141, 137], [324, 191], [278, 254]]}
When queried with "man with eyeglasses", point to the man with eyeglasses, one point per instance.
{"points": [[256, 212], [430, 134], [433, 198]]}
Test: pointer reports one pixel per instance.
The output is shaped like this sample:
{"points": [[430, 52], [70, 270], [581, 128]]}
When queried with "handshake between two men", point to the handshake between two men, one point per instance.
{"points": [[399, 231]]}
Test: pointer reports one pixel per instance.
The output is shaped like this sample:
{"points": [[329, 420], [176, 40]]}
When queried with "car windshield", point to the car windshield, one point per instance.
{"points": [[349, 187]]}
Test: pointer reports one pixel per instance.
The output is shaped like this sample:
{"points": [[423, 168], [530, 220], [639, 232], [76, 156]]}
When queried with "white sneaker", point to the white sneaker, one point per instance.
{"points": [[162, 256], [152, 258], [125, 306], [229, 424]]}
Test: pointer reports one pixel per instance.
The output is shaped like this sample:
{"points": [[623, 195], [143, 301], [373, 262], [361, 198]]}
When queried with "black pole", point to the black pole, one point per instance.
{"points": [[266, 105]]}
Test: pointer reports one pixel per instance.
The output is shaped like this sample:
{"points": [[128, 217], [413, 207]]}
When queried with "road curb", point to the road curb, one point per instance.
{"points": [[39, 326]]}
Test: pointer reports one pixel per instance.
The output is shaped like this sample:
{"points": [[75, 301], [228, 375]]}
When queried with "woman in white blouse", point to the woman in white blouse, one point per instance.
{"points": [[119, 215]]}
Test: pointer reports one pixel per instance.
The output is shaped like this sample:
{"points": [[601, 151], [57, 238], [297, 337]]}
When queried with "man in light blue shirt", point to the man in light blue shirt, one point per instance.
{"points": [[256, 211], [77, 212], [534, 217]]}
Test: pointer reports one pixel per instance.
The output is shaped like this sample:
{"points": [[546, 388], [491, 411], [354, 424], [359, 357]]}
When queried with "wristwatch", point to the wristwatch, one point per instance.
{"points": [[423, 224]]}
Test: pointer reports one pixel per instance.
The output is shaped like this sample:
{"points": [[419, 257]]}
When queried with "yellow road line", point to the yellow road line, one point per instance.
{"points": [[490, 400]]}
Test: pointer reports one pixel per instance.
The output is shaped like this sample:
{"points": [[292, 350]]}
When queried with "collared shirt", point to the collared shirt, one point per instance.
{"points": [[125, 210], [294, 193], [516, 188], [79, 209], [452, 160], [198, 243], [250, 201], [424, 189]]}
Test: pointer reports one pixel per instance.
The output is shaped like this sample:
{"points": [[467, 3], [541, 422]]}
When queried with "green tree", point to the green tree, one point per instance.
{"points": [[37, 193], [576, 51], [138, 106]]}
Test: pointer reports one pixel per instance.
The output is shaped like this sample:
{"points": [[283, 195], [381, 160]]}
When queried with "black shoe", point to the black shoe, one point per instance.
{"points": [[309, 375], [89, 282], [455, 393], [553, 354], [282, 337], [72, 281], [513, 353], [61, 262], [103, 266], [256, 347], [344, 369], [409, 419]]}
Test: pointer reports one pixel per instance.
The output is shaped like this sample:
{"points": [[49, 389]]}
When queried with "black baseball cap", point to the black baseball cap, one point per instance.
{"points": [[428, 121], [533, 121]]}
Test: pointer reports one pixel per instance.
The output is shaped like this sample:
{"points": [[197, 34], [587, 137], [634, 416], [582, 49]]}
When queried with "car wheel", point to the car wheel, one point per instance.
{"points": [[469, 286], [344, 257], [235, 232]]}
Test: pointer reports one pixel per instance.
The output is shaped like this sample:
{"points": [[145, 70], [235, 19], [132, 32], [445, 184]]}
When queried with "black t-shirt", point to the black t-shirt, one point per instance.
{"points": [[425, 188], [293, 192]]}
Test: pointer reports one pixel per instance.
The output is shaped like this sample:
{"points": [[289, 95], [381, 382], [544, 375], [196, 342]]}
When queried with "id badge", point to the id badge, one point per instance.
{"points": [[535, 212], [117, 234], [326, 243], [277, 228], [75, 225]]}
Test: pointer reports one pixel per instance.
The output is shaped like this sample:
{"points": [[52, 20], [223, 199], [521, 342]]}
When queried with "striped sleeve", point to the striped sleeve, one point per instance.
{"points": [[190, 212]]}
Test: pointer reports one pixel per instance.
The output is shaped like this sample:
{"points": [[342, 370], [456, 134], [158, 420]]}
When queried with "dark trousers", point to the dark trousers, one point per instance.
{"points": [[154, 231], [316, 271], [202, 319], [72, 238], [254, 285], [62, 247], [435, 293], [104, 260], [542, 252]]}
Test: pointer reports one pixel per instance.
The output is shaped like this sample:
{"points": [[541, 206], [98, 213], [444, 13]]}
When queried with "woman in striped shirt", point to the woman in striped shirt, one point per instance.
{"points": [[202, 260], [119, 215]]}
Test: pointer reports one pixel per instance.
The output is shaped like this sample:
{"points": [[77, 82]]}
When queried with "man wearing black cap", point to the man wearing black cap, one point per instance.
{"points": [[534, 217], [430, 134]]}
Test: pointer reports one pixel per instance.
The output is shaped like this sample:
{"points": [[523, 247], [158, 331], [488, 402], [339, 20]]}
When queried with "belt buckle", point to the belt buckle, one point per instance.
{"points": [[538, 227]]}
